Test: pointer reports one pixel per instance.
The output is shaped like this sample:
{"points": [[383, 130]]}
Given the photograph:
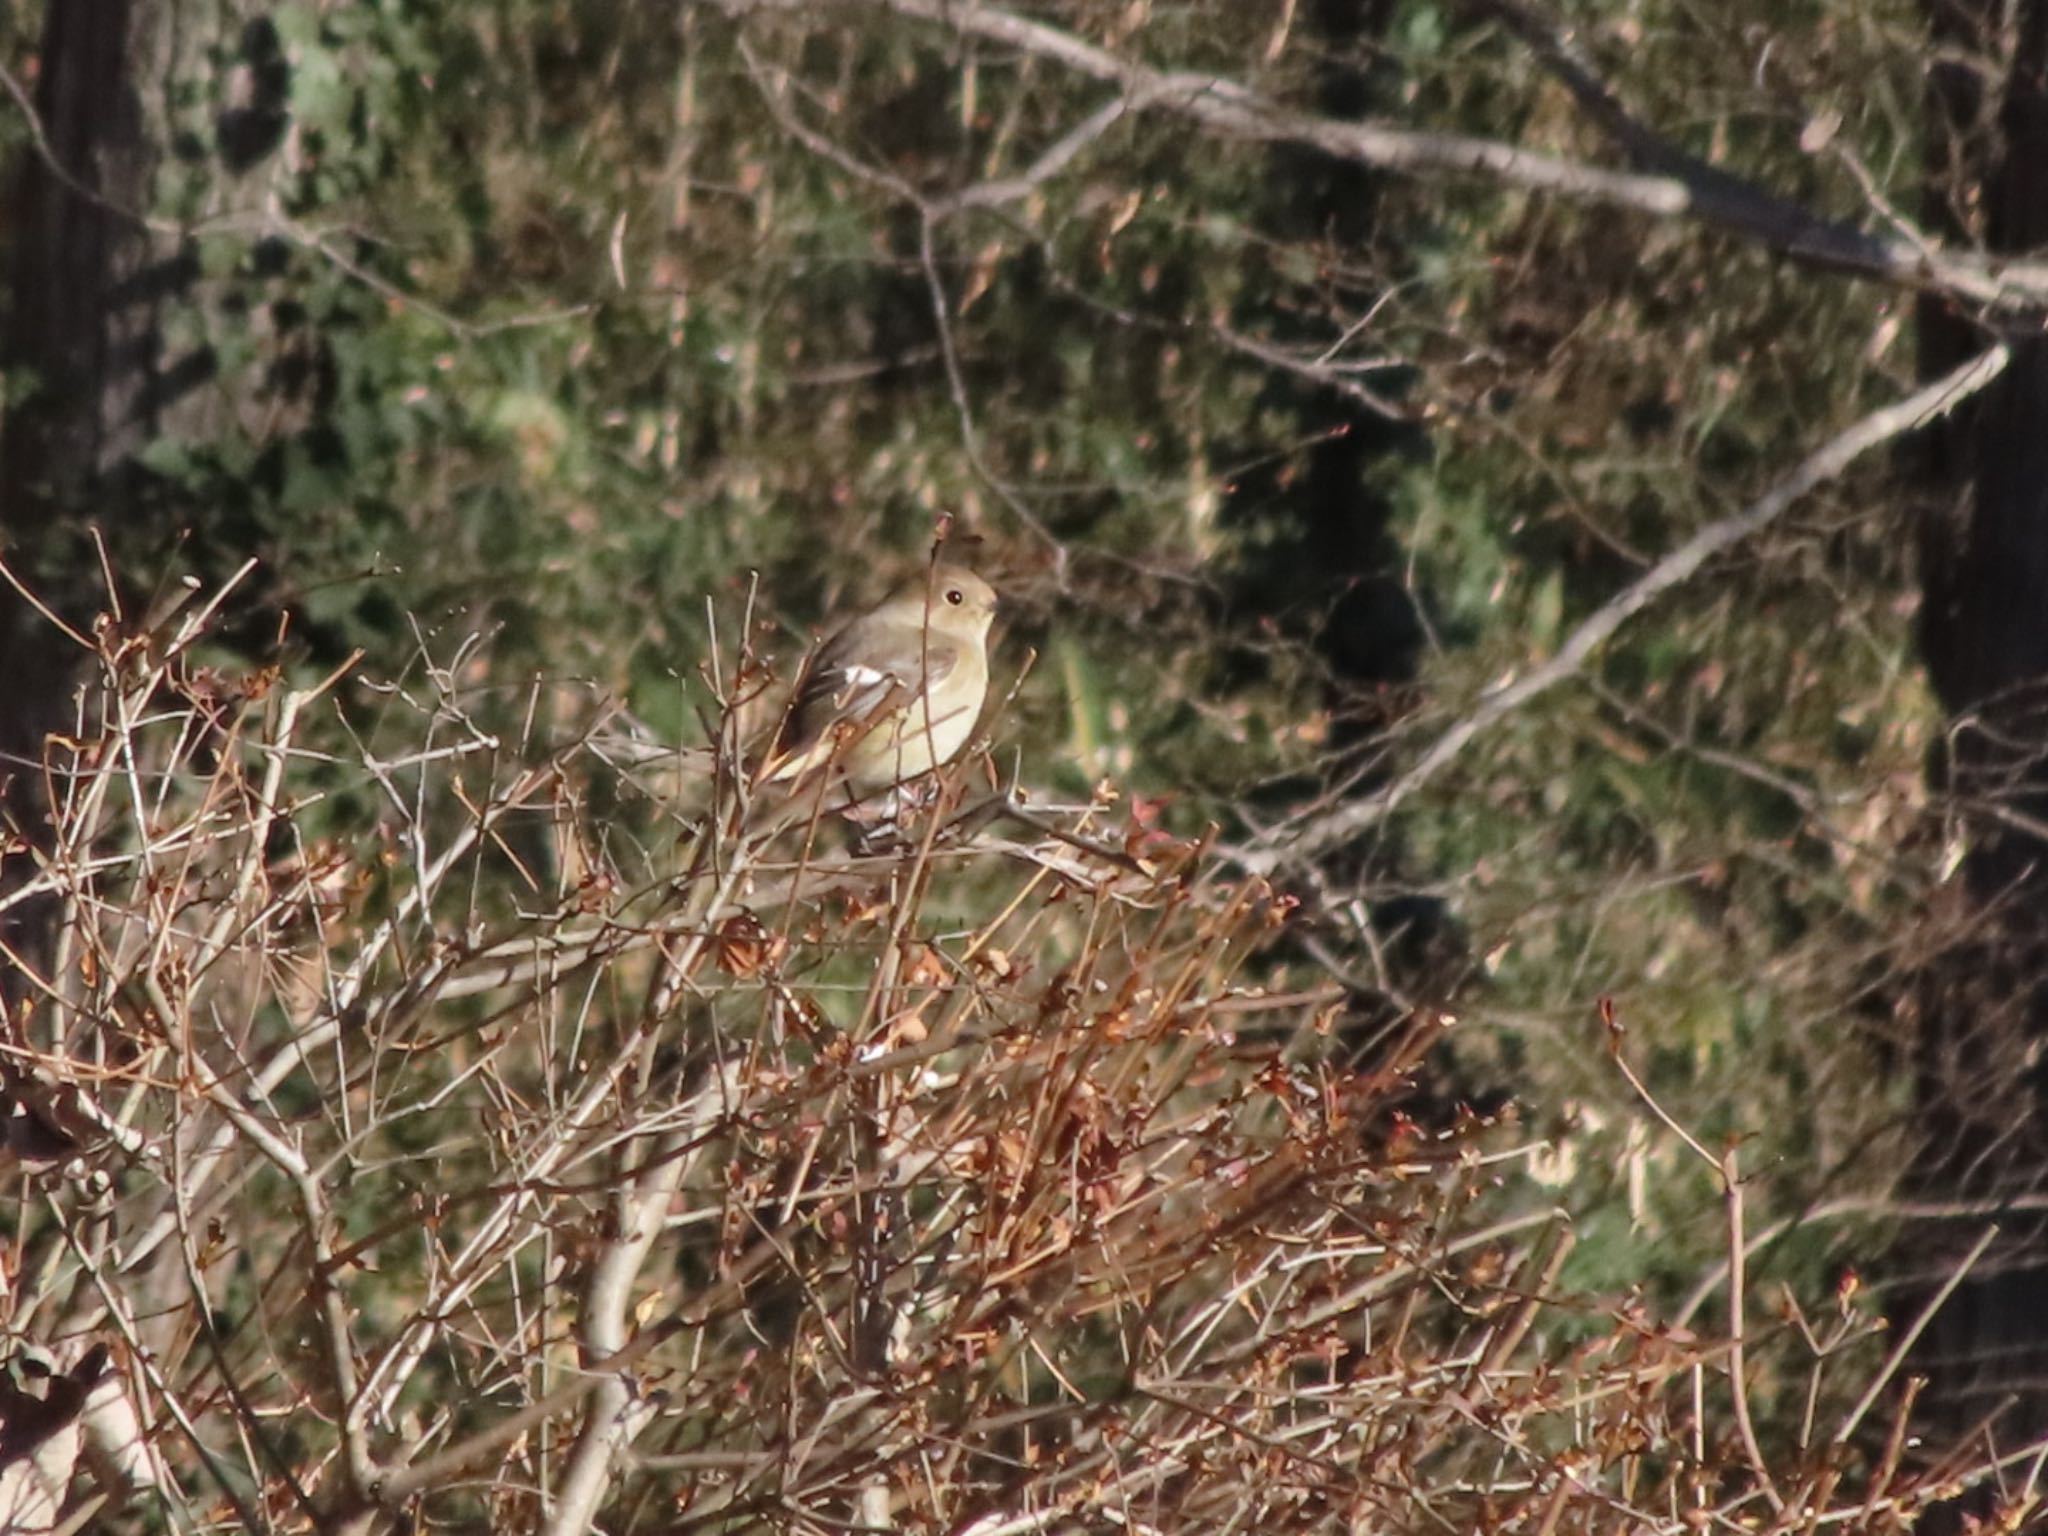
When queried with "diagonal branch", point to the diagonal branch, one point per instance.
{"points": [[1299, 841]]}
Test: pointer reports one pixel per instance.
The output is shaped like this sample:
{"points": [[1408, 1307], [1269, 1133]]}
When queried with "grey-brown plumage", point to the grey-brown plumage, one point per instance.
{"points": [[896, 692]]}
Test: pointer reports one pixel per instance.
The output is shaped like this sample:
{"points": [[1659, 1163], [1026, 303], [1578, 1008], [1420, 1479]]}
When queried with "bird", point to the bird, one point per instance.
{"points": [[895, 693]]}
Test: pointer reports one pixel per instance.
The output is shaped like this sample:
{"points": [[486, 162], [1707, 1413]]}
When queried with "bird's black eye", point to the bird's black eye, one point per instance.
{"points": [[955, 596]]}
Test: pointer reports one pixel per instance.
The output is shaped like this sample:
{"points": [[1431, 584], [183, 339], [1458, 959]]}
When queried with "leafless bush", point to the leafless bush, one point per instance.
{"points": [[397, 1136]]}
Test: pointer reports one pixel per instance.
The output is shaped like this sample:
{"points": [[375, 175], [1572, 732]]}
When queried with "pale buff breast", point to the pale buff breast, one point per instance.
{"points": [[927, 735]]}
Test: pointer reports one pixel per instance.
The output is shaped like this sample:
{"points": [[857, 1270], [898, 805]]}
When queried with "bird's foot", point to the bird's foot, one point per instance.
{"points": [[878, 822]]}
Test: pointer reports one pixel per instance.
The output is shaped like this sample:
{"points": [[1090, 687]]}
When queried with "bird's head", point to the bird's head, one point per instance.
{"points": [[950, 598]]}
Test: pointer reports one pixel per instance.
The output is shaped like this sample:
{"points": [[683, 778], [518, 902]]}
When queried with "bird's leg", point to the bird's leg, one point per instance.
{"points": [[874, 824], [877, 821]]}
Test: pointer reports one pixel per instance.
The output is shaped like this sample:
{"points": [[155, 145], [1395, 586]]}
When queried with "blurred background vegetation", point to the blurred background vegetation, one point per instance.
{"points": [[554, 321]]}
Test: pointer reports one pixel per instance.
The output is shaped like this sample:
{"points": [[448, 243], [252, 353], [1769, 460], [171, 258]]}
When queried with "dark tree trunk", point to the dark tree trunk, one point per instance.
{"points": [[1983, 1004], [76, 245], [1315, 551], [91, 276]]}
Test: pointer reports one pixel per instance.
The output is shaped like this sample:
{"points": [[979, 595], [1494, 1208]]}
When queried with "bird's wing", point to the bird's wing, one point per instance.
{"points": [[862, 675]]}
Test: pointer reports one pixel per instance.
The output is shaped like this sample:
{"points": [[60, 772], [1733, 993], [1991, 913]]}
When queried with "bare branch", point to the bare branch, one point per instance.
{"points": [[2014, 290], [989, 1193], [1302, 840]]}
